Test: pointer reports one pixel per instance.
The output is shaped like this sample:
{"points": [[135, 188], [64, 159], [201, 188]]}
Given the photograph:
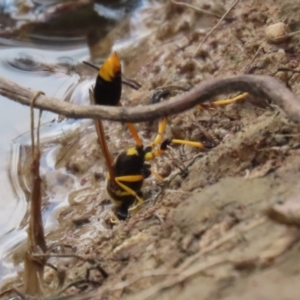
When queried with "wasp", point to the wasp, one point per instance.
{"points": [[129, 169]]}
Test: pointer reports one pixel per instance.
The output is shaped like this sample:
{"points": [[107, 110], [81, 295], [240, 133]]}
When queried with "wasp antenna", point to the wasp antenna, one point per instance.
{"points": [[102, 141], [131, 83], [110, 68], [90, 65]]}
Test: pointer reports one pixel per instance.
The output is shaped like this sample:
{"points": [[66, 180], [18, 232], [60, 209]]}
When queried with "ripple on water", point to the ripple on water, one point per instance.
{"points": [[27, 67], [50, 71]]}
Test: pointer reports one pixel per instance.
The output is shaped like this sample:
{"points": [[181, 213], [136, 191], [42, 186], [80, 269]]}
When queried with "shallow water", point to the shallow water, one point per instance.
{"points": [[23, 60], [14, 128]]}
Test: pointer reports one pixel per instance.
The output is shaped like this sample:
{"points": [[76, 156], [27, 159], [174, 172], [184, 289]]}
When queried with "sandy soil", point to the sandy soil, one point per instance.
{"points": [[224, 227]]}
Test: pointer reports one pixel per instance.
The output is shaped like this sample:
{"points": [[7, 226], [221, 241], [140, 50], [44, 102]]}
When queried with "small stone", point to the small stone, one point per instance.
{"points": [[276, 33]]}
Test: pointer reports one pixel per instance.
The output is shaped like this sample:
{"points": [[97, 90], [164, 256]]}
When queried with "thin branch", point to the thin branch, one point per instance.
{"points": [[75, 283], [79, 257], [210, 32], [291, 34], [264, 87], [286, 70], [204, 11], [34, 269], [149, 273], [248, 67]]}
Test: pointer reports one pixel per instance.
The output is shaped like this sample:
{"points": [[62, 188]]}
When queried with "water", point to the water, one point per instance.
{"points": [[14, 130], [23, 58]]}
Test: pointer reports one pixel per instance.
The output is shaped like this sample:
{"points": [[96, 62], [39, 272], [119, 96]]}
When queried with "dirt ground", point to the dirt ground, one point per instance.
{"points": [[224, 224]]}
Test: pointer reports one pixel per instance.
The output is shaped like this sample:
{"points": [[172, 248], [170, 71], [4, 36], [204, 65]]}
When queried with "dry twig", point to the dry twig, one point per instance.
{"points": [[89, 259], [249, 68], [213, 29], [204, 11], [33, 268], [260, 86], [291, 34]]}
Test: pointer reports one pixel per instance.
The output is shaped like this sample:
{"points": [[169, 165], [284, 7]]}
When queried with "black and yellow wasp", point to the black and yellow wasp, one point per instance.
{"points": [[127, 172]]}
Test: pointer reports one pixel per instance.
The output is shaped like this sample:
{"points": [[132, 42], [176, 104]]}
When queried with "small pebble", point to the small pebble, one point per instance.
{"points": [[276, 33]]}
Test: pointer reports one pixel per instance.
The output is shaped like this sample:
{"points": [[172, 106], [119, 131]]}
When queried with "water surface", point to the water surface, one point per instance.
{"points": [[41, 56]]}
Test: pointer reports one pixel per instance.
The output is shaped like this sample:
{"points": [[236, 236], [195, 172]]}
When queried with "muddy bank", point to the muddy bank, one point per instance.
{"points": [[220, 227]]}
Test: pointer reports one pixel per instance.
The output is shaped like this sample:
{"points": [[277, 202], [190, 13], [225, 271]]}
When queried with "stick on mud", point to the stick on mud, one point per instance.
{"points": [[265, 87], [34, 268], [214, 28]]}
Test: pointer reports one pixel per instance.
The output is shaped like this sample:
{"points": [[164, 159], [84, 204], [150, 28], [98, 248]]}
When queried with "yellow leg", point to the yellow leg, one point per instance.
{"points": [[134, 209], [133, 131], [161, 150], [190, 143], [152, 155], [224, 102], [161, 130], [130, 178], [134, 134], [229, 101]]}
